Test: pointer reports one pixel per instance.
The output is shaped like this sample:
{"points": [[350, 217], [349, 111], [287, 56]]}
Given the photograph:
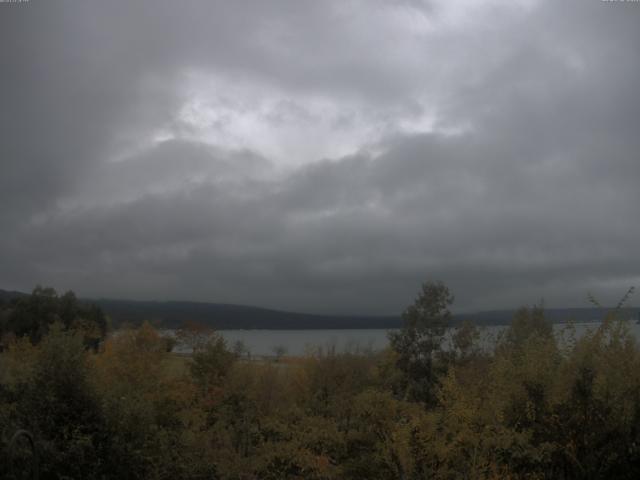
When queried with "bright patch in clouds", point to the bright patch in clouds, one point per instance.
{"points": [[288, 128]]}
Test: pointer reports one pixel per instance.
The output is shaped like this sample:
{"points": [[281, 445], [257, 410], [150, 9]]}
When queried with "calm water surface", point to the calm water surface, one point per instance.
{"points": [[300, 342]]}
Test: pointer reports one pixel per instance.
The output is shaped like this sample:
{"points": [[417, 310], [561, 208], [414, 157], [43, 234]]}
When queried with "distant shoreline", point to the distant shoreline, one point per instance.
{"points": [[173, 314]]}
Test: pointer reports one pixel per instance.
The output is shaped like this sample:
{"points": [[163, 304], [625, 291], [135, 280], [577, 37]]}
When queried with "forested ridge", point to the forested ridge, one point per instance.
{"points": [[124, 406], [172, 314]]}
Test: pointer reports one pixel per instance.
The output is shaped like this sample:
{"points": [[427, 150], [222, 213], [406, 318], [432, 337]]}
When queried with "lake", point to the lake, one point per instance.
{"points": [[299, 342]]}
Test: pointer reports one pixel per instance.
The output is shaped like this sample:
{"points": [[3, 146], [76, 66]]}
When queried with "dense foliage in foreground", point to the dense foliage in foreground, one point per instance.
{"points": [[532, 407]]}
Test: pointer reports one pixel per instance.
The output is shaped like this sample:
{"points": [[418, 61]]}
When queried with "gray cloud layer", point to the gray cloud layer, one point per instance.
{"points": [[321, 156]]}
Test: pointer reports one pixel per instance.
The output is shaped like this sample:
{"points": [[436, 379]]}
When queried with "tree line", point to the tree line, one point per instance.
{"points": [[124, 406]]}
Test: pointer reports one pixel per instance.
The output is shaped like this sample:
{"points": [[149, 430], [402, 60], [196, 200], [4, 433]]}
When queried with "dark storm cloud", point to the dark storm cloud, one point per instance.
{"points": [[498, 153]]}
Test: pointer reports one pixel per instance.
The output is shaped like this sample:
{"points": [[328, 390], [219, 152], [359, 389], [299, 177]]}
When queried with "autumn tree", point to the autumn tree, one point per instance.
{"points": [[60, 407], [418, 343], [193, 336], [211, 362], [145, 406]]}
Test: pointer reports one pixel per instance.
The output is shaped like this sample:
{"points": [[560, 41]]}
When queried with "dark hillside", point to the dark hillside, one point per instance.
{"points": [[172, 314], [224, 316]]}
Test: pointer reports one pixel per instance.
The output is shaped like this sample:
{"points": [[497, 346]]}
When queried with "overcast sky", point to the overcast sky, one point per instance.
{"points": [[321, 156]]}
